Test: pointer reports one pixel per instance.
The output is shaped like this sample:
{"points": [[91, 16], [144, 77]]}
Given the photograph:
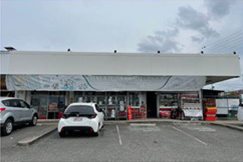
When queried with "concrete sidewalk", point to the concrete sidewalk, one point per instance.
{"points": [[46, 129]]}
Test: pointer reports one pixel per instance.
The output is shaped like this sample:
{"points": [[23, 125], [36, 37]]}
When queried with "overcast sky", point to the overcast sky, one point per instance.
{"points": [[171, 26]]}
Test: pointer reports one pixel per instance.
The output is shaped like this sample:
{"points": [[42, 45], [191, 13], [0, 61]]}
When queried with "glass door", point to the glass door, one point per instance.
{"points": [[39, 101]]}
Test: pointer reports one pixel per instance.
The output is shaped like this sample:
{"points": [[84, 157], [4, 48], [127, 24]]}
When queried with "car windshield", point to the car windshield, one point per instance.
{"points": [[81, 109]]}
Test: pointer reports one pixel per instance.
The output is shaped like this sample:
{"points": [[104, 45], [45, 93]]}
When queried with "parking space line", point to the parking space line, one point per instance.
{"points": [[118, 133], [190, 136]]}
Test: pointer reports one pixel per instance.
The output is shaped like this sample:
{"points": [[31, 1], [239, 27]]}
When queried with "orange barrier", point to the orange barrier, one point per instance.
{"points": [[129, 112], [211, 109]]}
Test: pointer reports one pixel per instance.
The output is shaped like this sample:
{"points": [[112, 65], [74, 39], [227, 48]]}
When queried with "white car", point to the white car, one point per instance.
{"points": [[240, 113], [14, 111], [81, 117]]}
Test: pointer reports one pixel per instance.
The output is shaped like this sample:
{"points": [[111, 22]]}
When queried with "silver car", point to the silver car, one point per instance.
{"points": [[14, 111]]}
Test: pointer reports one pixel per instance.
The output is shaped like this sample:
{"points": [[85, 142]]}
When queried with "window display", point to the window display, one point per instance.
{"points": [[101, 101], [78, 96], [168, 104], [121, 101], [134, 99], [39, 100], [48, 104], [112, 105], [168, 100]]}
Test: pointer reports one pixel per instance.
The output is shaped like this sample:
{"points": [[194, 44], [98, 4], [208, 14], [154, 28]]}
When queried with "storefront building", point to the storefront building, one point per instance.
{"points": [[149, 83]]}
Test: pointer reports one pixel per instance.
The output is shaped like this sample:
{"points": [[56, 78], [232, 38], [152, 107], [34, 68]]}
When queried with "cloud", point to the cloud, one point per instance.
{"points": [[163, 41], [218, 8], [189, 18], [197, 39]]}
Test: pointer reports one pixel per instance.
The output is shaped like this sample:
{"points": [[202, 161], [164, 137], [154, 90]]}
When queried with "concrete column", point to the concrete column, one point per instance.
{"points": [[201, 101], [69, 98], [20, 94]]}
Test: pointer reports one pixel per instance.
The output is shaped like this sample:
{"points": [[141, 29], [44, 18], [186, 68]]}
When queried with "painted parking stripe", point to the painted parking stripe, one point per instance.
{"points": [[118, 133], [143, 124], [190, 136]]}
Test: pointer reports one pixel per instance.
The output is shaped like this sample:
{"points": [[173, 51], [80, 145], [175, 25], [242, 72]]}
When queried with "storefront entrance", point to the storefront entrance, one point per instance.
{"points": [[151, 105]]}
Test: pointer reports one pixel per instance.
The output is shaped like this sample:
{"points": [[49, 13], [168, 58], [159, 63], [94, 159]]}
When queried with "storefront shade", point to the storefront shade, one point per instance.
{"points": [[104, 83]]}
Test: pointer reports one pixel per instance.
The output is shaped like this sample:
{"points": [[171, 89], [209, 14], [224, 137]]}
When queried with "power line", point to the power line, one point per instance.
{"points": [[229, 41], [224, 43], [237, 33], [236, 39], [237, 45]]}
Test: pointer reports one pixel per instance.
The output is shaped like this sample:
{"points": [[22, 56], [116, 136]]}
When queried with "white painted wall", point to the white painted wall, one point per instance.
{"points": [[21, 62], [4, 62]]}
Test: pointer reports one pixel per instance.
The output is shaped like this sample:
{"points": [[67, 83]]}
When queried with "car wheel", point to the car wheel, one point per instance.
{"points": [[33, 121], [96, 134], [62, 134], [7, 127]]}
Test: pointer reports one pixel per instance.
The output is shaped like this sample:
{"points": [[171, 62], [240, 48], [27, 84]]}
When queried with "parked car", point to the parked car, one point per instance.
{"points": [[14, 111], [240, 113], [81, 117]]}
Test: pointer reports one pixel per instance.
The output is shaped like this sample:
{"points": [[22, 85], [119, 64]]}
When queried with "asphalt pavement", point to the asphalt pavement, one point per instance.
{"points": [[136, 142]]}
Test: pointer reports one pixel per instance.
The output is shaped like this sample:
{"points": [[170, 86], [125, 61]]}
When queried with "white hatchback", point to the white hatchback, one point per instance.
{"points": [[81, 117]]}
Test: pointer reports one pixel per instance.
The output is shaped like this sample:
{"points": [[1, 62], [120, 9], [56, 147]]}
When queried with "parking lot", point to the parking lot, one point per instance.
{"points": [[136, 142]]}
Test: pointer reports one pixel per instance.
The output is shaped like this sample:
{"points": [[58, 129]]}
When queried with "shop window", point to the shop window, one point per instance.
{"points": [[88, 93], [48, 104], [39, 100], [78, 96], [134, 99], [121, 93], [111, 105], [168, 100], [56, 104], [121, 101], [89, 97], [4, 93], [101, 98]]}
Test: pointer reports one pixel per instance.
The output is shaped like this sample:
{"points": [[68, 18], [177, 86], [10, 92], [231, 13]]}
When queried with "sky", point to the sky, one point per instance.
{"points": [[141, 26]]}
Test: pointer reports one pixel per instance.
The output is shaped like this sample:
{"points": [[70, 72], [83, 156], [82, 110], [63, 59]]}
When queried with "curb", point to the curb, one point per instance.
{"points": [[42, 121], [152, 121], [30, 140], [228, 126]]}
